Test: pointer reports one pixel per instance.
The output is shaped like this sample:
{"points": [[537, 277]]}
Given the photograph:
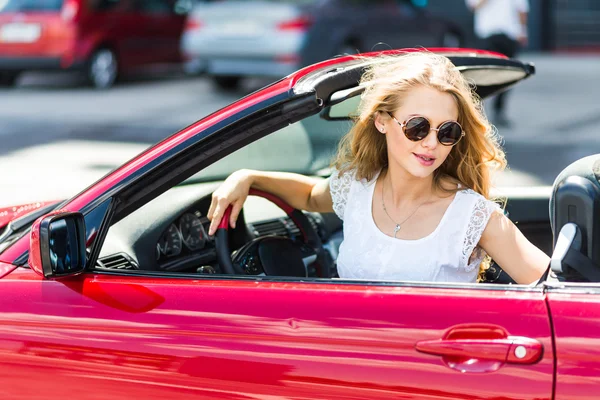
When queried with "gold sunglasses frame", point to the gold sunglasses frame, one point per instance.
{"points": [[437, 130]]}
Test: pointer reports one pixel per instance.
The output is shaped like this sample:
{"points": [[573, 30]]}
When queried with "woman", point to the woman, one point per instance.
{"points": [[411, 182]]}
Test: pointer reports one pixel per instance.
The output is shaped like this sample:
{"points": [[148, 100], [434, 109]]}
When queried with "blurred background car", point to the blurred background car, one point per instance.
{"points": [[233, 39], [102, 38]]}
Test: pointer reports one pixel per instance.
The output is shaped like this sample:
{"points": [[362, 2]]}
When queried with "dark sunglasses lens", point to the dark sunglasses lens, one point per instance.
{"points": [[416, 128], [449, 133]]}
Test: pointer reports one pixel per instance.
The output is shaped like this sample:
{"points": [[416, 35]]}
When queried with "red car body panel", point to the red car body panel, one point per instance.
{"points": [[6, 268], [8, 214], [576, 321], [164, 338], [69, 37], [57, 36]]}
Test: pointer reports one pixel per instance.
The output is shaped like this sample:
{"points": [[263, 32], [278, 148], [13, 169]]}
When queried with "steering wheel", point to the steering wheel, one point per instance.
{"points": [[274, 255]]}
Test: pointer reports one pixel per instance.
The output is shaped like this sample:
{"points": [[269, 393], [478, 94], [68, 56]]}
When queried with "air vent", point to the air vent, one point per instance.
{"points": [[283, 227], [274, 227], [117, 261], [293, 230]]}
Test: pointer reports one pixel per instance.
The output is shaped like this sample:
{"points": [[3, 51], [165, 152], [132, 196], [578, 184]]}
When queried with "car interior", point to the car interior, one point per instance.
{"points": [[169, 233]]}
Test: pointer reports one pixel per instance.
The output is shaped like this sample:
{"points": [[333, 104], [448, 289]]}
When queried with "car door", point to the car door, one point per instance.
{"points": [[162, 28], [114, 23], [575, 311], [161, 337]]}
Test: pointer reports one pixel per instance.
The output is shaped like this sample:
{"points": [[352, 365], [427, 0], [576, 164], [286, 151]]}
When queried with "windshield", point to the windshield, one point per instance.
{"points": [[305, 147], [30, 5]]}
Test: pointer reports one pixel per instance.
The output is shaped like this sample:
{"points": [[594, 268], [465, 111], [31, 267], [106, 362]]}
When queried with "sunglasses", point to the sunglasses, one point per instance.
{"points": [[417, 128]]}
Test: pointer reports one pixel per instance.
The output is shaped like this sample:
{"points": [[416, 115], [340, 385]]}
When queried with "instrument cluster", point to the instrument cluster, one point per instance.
{"points": [[187, 234]]}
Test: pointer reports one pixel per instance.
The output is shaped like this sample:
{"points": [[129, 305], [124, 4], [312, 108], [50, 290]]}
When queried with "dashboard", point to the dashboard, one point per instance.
{"points": [[170, 232]]}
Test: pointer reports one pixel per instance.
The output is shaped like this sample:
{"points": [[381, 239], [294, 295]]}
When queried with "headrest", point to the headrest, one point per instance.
{"points": [[576, 199], [587, 168]]}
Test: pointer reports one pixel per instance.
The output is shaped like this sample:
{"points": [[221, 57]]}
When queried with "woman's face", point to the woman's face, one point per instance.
{"points": [[421, 158]]}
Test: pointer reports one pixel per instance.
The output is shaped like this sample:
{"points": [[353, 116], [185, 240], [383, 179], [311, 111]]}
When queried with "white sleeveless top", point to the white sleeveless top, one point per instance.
{"points": [[442, 256]]}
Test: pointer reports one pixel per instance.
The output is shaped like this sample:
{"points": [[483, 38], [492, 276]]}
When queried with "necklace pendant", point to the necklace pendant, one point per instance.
{"points": [[396, 229]]}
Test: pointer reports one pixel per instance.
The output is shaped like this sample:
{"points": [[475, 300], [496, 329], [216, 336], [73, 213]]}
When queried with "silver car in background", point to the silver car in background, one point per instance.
{"points": [[233, 39]]}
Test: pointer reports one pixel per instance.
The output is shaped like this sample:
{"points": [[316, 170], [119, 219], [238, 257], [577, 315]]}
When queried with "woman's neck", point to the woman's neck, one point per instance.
{"points": [[406, 188]]}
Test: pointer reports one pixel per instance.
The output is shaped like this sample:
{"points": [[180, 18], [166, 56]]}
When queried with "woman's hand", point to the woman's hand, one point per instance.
{"points": [[233, 192]]}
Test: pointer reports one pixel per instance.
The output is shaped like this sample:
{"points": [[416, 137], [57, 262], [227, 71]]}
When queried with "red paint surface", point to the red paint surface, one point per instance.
{"points": [[73, 34], [576, 320], [124, 337], [7, 214], [6, 268]]}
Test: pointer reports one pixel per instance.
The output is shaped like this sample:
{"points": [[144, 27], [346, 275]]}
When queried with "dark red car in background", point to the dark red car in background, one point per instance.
{"points": [[102, 38]]}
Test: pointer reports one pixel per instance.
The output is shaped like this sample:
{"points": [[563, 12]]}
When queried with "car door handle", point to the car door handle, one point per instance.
{"points": [[512, 349]]}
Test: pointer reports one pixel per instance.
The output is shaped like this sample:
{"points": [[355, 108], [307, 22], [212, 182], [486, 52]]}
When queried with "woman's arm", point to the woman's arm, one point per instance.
{"points": [[516, 255], [299, 191]]}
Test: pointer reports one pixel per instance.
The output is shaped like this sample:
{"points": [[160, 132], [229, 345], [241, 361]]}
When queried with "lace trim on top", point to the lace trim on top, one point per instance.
{"points": [[340, 187], [480, 216]]}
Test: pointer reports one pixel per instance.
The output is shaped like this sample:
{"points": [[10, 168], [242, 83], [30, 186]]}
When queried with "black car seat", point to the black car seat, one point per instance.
{"points": [[575, 221]]}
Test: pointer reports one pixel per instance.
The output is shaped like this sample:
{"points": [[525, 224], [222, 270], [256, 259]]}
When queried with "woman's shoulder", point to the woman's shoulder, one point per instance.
{"points": [[476, 197], [341, 184], [468, 202], [476, 208], [347, 175]]}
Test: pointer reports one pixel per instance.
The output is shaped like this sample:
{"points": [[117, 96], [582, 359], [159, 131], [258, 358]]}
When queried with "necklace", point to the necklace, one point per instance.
{"points": [[398, 224]]}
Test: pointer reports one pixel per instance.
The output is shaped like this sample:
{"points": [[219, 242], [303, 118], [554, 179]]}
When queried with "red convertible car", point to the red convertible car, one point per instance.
{"points": [[118, 292]]}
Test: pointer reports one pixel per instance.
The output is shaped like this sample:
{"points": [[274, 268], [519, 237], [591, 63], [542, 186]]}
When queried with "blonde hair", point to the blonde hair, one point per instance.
{"points": [[364, 148]]}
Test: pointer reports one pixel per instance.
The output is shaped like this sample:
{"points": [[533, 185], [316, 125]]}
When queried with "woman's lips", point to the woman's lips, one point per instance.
{"points": [[424, 160]]}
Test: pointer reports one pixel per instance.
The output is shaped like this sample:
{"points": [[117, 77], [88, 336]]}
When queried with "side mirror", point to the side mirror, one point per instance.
{"points": [[57, 244]]}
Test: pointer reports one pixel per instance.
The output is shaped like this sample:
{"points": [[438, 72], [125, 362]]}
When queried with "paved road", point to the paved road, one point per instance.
{"points": [[57, 137]]}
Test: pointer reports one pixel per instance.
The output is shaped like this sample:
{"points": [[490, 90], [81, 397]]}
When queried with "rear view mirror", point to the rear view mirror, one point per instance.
{"points": [[57, 246], [344, 111]]}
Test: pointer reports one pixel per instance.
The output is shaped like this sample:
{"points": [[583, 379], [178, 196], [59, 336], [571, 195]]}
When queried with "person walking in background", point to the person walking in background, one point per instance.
{"points": [[502, 26]]}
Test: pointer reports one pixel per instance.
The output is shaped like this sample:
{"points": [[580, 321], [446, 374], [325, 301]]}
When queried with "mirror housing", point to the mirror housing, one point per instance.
{"points": [[57, 245]]}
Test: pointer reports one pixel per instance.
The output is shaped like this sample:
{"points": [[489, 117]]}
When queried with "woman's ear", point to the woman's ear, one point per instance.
{"points": [[379, 122]]}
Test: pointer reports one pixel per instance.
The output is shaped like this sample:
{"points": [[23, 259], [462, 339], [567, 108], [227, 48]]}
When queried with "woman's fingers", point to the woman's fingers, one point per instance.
{"points": [[211, 209], [235, 212], [217, 215]]}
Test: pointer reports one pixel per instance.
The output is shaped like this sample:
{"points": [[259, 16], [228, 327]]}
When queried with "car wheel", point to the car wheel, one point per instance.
{"points": [[227, 82], [103, 69], [8, 79]]}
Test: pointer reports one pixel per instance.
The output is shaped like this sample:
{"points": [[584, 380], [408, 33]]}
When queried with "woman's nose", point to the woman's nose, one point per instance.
{"points": [[430, 140]]}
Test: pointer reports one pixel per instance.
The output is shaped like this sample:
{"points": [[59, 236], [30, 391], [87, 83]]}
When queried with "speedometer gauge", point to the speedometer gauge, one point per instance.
{"points": [[170, 241], [192, 231]]}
